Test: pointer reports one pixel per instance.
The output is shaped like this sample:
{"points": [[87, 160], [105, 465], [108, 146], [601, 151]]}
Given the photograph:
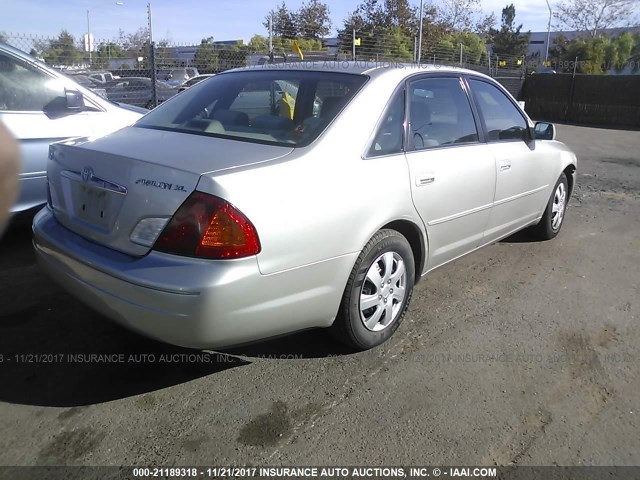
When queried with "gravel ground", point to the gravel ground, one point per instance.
{"points": [[524, 352]]}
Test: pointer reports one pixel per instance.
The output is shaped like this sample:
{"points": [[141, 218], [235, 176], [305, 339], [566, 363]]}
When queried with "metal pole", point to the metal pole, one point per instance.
{"points": [[152, 62], [88, 38], [354, 44], [271, 37], [420, 33], [546, 55], [415, 49], [460, 54]]}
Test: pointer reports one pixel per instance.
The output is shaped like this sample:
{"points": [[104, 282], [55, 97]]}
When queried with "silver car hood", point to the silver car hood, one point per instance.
{"points": [[107, 189]]}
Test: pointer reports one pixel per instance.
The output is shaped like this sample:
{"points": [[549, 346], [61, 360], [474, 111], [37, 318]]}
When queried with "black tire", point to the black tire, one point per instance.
{"points": [[349, 326], [545, 230]]}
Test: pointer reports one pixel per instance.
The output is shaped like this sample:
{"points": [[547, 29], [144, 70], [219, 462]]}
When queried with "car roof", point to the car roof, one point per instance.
{"points": [[368, 68]]}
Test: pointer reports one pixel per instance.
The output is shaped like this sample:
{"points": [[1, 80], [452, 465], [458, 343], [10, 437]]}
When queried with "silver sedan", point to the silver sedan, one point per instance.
{"points": [[238, 211]]}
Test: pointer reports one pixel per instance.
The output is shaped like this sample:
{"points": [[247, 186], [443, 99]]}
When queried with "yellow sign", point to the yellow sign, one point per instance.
{"points": [[519, 62], [297, 49], [287, 106], [502, 63], [357, 42]]}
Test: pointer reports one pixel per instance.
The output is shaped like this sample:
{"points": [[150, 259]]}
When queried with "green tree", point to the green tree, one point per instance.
{"points": [[595, 55], [105, 52], [259, 44], [232, 57], [395, 45], [473, 48], [283, 22], [61, 50], [206, 56], [135, 44], [509, 41], [618, 52], [373, 21], [313, 19]]}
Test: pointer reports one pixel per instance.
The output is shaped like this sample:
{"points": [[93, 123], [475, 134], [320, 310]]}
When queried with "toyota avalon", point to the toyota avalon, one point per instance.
{"points": [[266, 201]]}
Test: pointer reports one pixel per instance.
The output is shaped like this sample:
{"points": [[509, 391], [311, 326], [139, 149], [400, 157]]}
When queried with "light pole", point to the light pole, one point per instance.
{"points": [[420, 33], [152, 62], [89, 31], [546, 55], [88, 37]]}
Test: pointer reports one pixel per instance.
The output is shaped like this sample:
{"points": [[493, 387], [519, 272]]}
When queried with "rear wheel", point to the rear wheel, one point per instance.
{"points": [[378, 292], [553, 217]]}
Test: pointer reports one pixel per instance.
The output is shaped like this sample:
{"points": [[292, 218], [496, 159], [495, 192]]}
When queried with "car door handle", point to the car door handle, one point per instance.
{"points": [[505, 165], [420, 181]]}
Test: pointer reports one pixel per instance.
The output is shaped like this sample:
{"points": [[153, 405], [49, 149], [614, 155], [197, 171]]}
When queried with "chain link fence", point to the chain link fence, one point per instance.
{"points": [[145, 74]]}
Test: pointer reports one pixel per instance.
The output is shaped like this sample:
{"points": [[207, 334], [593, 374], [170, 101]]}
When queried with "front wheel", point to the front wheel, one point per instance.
{"points": [[553, 217], [378, 292]]}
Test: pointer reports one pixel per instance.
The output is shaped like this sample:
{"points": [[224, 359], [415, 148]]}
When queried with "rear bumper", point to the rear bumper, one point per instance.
{"points": [[189, 302]]}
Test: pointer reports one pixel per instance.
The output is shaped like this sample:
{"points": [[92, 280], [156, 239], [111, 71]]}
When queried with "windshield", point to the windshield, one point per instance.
{"points": [[274, 107]]}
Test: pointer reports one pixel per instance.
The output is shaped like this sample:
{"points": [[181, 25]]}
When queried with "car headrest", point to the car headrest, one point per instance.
{"points": [[272, 122], [330, 106], [231, 117]]}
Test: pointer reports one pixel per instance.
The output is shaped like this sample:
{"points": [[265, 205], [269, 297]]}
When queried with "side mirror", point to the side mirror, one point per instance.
{"points": [[545, 131], [71, 103], [75, 100]]}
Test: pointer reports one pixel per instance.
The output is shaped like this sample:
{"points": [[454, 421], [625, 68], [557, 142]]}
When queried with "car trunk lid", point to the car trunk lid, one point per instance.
{"points": [[120, 190]]}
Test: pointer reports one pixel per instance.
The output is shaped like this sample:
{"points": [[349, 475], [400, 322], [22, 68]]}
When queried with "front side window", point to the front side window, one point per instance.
{"points": [[440, 113], [502, 119], [25, 88], [274, 107]]}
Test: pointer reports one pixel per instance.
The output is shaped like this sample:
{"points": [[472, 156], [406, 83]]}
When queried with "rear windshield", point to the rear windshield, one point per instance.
{"points": [[273, 107]]}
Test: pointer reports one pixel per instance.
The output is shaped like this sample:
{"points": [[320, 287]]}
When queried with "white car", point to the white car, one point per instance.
{"points": [[39, 106]]}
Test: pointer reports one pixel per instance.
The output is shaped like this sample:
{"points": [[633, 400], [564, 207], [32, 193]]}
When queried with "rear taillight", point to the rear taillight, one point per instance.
{"points": [[208, 227]]}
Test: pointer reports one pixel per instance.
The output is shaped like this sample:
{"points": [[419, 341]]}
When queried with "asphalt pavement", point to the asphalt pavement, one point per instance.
{"points": [[522, 353]]}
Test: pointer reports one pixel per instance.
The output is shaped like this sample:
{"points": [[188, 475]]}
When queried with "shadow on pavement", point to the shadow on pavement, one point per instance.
{"points": [[308, 344], [523, 236], [54, 351]]}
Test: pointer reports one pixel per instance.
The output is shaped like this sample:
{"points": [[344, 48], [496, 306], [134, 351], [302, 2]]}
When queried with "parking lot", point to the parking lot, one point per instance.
{"points": [[524, 352]]}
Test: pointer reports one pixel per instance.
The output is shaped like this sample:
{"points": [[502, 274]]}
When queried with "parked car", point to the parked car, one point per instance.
{"points": [[192, 81], [213, 221], [137, 91], [176, 76], [40, 105], [103, 77], [89, 83]]}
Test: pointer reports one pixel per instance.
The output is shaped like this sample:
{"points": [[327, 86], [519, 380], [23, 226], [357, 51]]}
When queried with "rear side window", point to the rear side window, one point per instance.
{"points": [[274, 107], [25, 88], [440, 113], [389, 136], [502, 119]]}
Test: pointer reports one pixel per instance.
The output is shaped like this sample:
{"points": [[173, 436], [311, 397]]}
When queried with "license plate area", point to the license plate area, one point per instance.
{"points": [[92, 205]]}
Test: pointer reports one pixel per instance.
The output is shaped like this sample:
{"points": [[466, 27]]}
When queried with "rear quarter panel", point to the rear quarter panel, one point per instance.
{"points": [[325, 200]]}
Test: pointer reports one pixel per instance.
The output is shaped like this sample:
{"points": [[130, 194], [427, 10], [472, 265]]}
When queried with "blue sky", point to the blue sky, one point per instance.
{"points": [[188, 21]]}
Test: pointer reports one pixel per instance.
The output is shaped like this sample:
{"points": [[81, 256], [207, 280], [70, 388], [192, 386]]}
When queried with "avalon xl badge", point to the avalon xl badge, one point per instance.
{"points": [[161, 185]]}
